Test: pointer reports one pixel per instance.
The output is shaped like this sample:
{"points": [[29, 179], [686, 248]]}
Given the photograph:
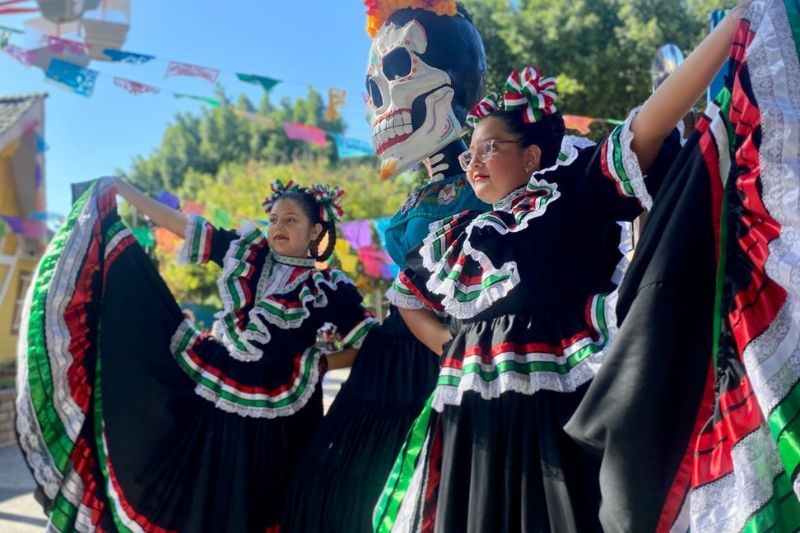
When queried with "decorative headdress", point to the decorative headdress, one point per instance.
{"points": [[330, 202], [380, 10], [529, 93], [329, 199], [278, 190]]}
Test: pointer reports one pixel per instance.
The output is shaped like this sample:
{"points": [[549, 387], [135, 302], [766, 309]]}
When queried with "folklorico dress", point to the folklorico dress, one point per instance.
{"points": [[339, 479], [133, 420], [697, 410], [529, 286]]}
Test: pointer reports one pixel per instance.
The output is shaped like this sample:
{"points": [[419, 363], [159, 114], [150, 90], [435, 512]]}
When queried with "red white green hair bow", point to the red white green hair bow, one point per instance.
{"points": [[278, 190], [484, 108], [329, 200], [531, 94]]}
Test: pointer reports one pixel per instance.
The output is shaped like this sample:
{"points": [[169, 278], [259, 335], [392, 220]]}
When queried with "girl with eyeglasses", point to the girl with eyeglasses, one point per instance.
{"points": [[531, 288]]}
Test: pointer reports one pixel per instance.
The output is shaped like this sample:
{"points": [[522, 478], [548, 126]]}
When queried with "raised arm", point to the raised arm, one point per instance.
{"points": [[160, 214], [679, 92]]}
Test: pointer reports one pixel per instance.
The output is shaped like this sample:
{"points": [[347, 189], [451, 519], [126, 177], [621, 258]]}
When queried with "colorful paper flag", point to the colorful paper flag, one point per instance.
{"points": [[578, 123], [357, 233], [145, 236], [166, 240], [80, 80], [266, 83], [168, 199], [30, 127], [347, 258], [381, 225], [176, 68], [134, 87], [220, 218], [118, 56], [41, 145], [33, 229], [44, 216], [303, 132], [348, 147], [210, 101], [12, 30], [14, 223], [389, 271], [57, 45], [372, 260], [336, 99], [191, 207], [26, 57]]}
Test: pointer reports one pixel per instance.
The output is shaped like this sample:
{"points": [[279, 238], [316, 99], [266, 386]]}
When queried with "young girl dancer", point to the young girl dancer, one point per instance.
{"points": [[530, 288], [130, 418]]}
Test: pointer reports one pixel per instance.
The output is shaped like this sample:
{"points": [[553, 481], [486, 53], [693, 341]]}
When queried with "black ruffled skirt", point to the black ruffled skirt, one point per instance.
{"points": [[339, 479], [109, 417]]}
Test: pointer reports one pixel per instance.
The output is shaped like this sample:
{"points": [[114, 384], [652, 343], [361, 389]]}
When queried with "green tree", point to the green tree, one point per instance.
{"points": [[600, 50], [232, 134], [233, 197]]}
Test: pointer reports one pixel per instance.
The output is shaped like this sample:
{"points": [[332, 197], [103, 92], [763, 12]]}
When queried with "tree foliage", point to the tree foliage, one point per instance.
{"points": [[600, 50]]}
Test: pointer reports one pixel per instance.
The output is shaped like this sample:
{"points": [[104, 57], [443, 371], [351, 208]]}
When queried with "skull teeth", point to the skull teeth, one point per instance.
{"points": [[395, 123]]}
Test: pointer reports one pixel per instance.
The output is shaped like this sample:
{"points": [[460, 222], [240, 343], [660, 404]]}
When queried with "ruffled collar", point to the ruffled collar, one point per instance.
{"points": [[294, 261], [505, 202]]}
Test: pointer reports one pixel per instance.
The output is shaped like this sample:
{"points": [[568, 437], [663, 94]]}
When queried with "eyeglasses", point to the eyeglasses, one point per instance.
{"points": [[484, 152]]}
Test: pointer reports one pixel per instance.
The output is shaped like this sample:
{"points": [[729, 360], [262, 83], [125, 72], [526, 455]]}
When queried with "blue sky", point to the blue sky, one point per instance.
{"points": [[315, 42]]}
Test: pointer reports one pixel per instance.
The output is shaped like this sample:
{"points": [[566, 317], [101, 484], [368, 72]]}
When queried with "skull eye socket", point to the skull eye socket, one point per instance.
{"points": [[397, 64], [374, 92]]}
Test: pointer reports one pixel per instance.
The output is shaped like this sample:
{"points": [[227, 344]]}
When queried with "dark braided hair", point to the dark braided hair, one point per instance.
{"points": [[311, 209], [546, 133]]}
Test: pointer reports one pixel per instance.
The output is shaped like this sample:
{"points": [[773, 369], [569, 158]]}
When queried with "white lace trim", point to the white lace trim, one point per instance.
{"points": [[185, 250], [630, 163], [447, 287], [409, 511], [359, 330], [57, 337], [625, 248], [533, 382], [773, 359], [272, 272], [726, 504], [404, 301], [114, 497], [230, 406], [269, 412]]}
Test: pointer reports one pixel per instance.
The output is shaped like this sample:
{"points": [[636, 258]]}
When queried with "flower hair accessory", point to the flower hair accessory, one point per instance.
{"points": [[330, 202], [530, 93], [380, 10], [278, 190], [484, 108]]}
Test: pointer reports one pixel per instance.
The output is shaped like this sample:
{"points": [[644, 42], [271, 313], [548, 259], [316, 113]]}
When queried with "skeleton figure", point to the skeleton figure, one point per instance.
{"points": [[424, 73]]}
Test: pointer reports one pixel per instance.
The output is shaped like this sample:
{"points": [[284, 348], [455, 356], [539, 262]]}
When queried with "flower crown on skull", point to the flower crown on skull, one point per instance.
{"points": [[529, 93], [380, 10], [327, 198]]}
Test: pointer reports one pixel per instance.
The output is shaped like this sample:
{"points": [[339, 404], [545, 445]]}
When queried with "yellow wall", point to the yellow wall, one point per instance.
{"points": [[8, 341], [9, 206]]}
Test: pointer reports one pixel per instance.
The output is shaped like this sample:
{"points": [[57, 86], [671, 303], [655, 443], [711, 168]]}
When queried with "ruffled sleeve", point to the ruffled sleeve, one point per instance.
{"points": [[203, 242], [616, 183], [346, 311]]}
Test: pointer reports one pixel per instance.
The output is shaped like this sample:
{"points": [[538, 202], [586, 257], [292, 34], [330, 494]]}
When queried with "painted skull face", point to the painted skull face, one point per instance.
{"points": [[410, 105]]}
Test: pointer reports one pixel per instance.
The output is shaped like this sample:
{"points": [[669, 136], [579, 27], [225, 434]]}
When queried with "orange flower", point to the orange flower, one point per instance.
{"points": [[380, 10]]}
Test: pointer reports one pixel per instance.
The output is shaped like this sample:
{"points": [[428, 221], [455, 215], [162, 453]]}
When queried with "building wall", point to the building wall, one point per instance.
{"points": [[15, 270]]}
